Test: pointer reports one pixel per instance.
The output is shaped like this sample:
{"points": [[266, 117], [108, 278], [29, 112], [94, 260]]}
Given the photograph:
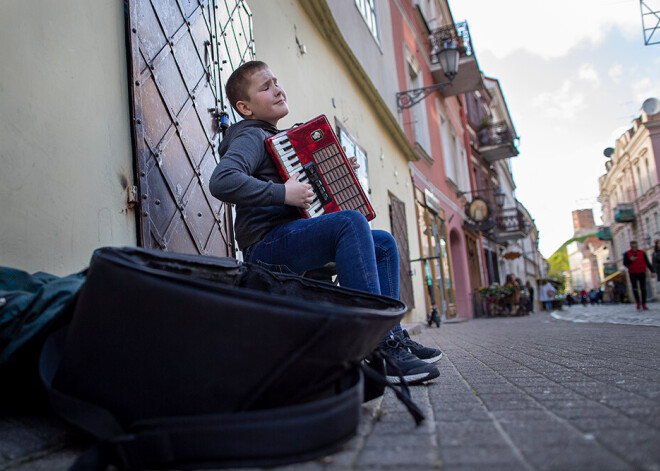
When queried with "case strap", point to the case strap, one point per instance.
{"points": [[402, 393], [253, 438]]}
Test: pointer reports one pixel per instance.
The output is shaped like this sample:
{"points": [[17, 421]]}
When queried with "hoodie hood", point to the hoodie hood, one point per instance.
{"points": [[236, 128]]}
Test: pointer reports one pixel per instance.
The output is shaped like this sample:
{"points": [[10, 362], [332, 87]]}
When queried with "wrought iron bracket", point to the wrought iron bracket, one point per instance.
{"points": [[423, 259], [410, 98]]}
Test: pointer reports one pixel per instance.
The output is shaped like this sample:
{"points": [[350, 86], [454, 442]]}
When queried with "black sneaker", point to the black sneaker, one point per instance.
{"points": [[412, 369], [427, 354]]}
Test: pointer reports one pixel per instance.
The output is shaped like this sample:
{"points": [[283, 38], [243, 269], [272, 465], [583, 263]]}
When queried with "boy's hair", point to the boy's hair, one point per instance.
{"points": [[238, 82]]}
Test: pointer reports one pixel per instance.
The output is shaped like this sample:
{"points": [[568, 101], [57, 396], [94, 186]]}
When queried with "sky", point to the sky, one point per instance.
{"points": [[574, 74]]}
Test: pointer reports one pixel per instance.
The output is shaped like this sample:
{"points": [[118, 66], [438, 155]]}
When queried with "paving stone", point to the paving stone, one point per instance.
{"points": [[58, 461], [17, 442], [476, 455]]}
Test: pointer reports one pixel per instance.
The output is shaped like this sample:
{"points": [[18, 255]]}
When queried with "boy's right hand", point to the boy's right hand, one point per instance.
{"points": [[297, 194]]}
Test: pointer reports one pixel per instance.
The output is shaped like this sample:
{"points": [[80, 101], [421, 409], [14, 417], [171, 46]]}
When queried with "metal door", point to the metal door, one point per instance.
{"points": [[400, 234], [181, 51]]}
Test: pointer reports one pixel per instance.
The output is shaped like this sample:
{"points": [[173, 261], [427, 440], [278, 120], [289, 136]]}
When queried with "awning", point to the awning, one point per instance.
{"points": [[612, 276]]}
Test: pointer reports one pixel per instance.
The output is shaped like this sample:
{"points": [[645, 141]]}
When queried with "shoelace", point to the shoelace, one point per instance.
{"points": [[398, 348], [402, 392], [410, 342]]}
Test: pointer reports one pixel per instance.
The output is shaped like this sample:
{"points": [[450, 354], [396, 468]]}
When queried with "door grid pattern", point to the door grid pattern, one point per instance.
{"points": [[181, 50], [400, 234]]}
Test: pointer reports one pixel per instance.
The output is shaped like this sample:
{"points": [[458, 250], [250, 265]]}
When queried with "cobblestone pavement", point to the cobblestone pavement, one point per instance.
{"points": [[528, 393], [611, 313]]}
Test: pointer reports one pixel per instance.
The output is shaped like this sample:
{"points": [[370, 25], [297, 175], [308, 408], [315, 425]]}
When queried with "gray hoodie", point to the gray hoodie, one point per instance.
{"points": [[246, 176]]}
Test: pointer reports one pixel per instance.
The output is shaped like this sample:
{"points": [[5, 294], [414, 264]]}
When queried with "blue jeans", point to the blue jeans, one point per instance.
{"points": [[367, 260]]}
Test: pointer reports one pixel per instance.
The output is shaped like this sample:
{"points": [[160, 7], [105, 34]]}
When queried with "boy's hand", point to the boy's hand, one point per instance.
{"points": [[352, 160], [297, 194]]}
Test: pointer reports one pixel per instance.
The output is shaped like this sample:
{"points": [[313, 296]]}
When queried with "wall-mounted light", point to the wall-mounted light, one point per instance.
{"points": [[448, 57], [499, 196]]}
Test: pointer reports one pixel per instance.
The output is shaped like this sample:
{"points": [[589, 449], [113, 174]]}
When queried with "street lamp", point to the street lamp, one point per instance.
{"points": [[448, 56], [499, 195]]}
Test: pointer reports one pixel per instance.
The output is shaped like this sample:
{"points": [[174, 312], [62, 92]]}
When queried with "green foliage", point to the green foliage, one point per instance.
{"points": [[559, 260], [495, 290]]}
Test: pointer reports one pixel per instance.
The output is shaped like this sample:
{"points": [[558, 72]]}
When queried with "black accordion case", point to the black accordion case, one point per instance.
{"points": [[187, 361]]}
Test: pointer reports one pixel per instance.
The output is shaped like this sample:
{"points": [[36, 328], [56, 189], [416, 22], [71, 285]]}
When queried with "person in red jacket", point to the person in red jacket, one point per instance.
{"points": [[637, 262]]}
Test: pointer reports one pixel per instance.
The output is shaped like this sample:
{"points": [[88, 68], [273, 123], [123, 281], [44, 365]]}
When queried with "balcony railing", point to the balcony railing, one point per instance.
{"points": [[624, 212], [609, 268], [468, 77], [604, 233], [510, 224], [496, 142]]}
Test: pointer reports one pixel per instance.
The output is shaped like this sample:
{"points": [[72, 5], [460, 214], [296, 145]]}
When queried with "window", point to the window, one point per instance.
{"points": [[353, 150], [648, 173], [641, 183], [450, 169], [418, 112], [367, 9]]}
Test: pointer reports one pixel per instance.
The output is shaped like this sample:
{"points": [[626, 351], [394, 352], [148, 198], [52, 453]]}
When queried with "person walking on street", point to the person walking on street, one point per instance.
{"points": [[547, 294], [530, 290], [608, 295], [619, 291], [637, 262], [655, 256]]}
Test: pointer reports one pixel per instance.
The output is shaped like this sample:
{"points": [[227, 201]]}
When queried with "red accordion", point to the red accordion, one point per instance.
{"points": [[313, 150]]}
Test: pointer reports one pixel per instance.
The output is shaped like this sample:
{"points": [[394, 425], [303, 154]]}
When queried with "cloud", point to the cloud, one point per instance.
{"points": [[564, 103], [588, 73], [615, 73], [644, 88], [547, 29]]}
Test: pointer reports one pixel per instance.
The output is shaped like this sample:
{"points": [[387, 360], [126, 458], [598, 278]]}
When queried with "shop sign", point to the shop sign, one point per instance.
{"points": [[432, 202]]}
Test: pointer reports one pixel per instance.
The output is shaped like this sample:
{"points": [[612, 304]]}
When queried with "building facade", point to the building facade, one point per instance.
{"points": [[583, 221], [119, 151], [629, 190]]}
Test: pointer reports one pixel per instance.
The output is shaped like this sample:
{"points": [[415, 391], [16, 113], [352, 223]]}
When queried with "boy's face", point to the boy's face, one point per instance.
{"points": [[267, 101]]}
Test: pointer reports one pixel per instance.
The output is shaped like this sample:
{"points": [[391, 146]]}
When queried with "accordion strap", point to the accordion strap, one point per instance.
{"points": [[253, 438]]}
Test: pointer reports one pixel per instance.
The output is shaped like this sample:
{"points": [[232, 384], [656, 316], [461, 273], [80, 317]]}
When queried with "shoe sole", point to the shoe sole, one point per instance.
{"points": [[432, 359], [415, 379]]}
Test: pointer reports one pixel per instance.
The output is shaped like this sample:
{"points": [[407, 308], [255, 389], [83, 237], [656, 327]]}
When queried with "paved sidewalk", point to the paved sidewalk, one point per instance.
{"points": [[528, 393], [611, 313]]}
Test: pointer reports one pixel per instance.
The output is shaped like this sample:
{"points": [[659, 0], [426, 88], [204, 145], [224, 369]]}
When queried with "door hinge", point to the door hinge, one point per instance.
{"points": [[131, 196]]}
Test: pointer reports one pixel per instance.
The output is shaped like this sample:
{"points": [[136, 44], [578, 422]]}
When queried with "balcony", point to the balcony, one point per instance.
{"points": [[510, 224], [609, 268], [468, 77], [496, 142], [624, 212], [604, 233]]}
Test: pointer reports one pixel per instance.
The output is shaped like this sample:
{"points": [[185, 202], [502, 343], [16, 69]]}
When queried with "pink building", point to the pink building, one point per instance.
{"points": [[450, 255]]}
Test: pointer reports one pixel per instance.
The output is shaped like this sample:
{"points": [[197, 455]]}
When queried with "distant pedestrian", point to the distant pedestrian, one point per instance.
{"points": [[547, 294], [637, 263], [619, 291], [608, 295], [655, 256], [570, 300], [593, 297], [583, 297], [530, 291]]}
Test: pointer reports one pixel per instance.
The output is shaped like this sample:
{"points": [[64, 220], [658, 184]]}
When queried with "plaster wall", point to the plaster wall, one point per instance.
{"points": [[64, 131]]}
